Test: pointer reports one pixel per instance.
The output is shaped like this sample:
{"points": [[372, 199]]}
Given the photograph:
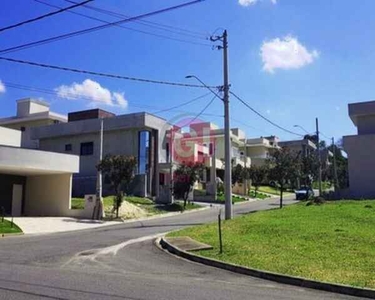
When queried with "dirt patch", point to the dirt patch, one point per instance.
{"points": [[131, 211]]}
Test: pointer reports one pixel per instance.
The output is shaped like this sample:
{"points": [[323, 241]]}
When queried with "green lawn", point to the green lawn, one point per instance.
{"points": [[6, 227], [235, 199], [258, 195], [269, 190], [334, 242], [79, 203], [177, 206]]}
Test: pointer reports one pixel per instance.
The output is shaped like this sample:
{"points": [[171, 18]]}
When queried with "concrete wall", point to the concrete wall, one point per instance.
{"points": [[361, 160], [121, 137], [10, 137], [366, 124], [123, 142], [27, 160], [48, 195], [26, 140], [257, 152], [28, 106]]}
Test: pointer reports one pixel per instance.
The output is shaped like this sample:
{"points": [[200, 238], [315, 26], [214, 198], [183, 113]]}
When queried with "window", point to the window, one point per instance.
{"points": [[143, 151], [23, 129], [56, 121], [68, 147], [167, 152], [87, 148]]}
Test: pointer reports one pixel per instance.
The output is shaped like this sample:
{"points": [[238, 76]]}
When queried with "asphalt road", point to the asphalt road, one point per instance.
{"points": [[121, 262]]}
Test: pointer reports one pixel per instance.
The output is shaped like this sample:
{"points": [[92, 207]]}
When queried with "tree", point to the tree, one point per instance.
{"points": [[120, 170], [258, 175], [237, 174], [309, 168], [284, 167], [184, 178], [341, 165]]}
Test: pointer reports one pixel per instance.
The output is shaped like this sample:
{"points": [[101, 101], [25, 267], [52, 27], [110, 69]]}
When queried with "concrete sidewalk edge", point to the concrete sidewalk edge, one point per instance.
{"points": [[4, 235], [116, 223], [280, 278]]}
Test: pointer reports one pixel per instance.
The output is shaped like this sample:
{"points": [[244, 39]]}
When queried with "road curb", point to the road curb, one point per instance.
{"points": [[171, 214], [280, 278], [4, 235]]}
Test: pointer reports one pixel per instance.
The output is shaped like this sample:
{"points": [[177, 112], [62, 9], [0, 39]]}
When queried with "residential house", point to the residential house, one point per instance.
{"points": [[142, 135], [259, 149], [34, 182], [304, 146], [31, 113], [207, 140], [360, 149]]}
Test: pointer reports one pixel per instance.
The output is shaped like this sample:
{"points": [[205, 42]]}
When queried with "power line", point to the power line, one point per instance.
{"points": [[201, 112], [183, 104], [83, 97], [44, 16], [127, 28], [263, 117], [96, 28], [100, 73], [160, 26], [329, 138], [249, 126]]}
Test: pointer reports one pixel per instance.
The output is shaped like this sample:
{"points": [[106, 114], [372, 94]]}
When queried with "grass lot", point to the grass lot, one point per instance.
{"points": [[235, 199], [259, 195], [334, 242], [5, 227], [269, 190], [144, 203]]}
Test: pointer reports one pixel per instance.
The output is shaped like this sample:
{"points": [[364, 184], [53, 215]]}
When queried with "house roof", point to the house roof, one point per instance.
{"points": [[361, 109]]}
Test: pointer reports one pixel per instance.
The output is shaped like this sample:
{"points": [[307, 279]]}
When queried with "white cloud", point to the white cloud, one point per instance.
{"points": [[252, 2], [285, 53], [92, 91], [2, 87]]}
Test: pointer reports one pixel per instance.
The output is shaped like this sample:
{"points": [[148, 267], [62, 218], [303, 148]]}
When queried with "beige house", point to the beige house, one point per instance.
{"points": [[31, 113], [304, 146], [204, 142], [33, 182], [360, 149], [259, 149]]}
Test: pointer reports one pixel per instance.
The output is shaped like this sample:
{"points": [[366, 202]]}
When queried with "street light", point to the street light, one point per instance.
{"points": [[299, 126], [205, 85]]}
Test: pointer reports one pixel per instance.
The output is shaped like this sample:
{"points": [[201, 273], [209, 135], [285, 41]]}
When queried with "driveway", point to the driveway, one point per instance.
{"points": [[121, 262], [43, 225]]}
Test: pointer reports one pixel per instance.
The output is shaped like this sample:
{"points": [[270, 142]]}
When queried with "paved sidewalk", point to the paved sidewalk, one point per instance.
{"points": [[43, 225]]}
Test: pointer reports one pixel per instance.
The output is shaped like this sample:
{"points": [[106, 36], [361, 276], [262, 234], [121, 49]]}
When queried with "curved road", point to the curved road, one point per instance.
{"points": [[121, 262]]}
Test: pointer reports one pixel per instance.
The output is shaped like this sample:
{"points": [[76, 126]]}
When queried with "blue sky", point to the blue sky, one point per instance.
{"points": [[292, 60]]}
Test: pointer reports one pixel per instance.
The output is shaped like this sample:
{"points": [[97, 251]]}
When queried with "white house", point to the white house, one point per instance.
{"points": [[360, 149], [33, 182]]}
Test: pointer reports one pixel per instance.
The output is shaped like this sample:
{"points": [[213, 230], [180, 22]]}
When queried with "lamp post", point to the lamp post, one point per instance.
{"points": [[299, 126]]}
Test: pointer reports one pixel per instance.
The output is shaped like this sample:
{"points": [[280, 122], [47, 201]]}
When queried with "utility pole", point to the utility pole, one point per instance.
{"points": [[319, 157], [334, 164], [171, 168], [99, 184], [227, 133]]}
